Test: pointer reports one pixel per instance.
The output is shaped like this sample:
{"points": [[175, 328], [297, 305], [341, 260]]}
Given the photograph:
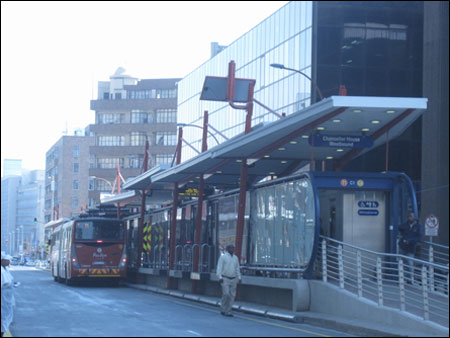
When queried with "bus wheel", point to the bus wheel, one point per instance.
{"points": [[68, 281]]}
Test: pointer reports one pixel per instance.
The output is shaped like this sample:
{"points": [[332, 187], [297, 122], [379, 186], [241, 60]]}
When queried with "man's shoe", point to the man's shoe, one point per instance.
{"points": [[222, 313], [229, 315]]}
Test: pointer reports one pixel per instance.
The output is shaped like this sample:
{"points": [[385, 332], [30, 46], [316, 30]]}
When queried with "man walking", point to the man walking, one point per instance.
{"points": [[228, 272]]}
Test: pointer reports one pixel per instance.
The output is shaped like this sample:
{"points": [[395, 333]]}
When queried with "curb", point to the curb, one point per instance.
{"points": [[309, 318], [261, 311]]}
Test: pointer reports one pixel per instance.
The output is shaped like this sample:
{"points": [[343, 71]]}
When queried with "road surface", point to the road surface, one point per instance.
{"points": [[48, 309]]}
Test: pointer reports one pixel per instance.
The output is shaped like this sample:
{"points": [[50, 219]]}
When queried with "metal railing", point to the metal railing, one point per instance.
{"points": [[433, 252], [402, 282]]}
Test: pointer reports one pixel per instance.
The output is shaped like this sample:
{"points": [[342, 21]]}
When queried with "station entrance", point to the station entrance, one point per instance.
{"points": [[344, 219], [364, 209]]}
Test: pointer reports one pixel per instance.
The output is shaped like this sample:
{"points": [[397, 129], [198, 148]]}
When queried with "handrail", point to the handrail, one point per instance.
{"points": [[409, 284], [194, 246], [178, 263], [416, 260], [185, 263], [205, 267]]}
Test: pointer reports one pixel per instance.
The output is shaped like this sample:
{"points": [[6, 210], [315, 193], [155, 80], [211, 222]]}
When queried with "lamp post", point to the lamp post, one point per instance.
{"points": [[102, 179], [280, 66], [180, 130], [214, 136]]}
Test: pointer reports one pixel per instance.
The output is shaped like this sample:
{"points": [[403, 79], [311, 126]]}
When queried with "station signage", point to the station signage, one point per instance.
{"points": [[341, 141], [190, 192], [431, 225], [370, 208]]}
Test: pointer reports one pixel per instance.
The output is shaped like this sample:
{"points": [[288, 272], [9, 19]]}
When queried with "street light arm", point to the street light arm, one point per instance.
{"points": [[280, 66], [193, 125], [110, 184]]}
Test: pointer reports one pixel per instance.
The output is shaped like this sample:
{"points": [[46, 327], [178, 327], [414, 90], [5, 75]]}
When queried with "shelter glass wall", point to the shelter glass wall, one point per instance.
{"points": [[283, 224], [285, 37]]}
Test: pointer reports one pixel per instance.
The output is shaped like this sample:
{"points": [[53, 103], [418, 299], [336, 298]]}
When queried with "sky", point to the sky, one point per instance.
{"points": [[54, 54]]}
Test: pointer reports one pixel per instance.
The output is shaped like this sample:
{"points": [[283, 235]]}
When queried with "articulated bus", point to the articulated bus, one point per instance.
{"points": [[89, 247]]}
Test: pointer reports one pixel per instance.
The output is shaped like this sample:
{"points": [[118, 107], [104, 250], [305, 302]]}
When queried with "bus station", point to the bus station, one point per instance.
{"points": [[278, 193]]}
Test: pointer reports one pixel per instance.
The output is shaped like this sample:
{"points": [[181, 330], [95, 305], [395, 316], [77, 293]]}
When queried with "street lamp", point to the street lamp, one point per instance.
{"points": [[280, 66], [102, 179], [205, 129], [182, 125]]}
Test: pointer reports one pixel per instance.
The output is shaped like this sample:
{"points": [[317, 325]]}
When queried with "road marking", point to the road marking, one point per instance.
{"points": [[257, 320], [194, 333]]}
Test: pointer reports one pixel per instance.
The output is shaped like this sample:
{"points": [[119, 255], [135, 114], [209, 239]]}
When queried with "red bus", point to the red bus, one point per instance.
{"points": [[90, 247]]}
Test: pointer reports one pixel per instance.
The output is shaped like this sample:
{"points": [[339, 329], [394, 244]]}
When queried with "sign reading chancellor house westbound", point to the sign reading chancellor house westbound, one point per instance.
{"points": [[341, 141]]}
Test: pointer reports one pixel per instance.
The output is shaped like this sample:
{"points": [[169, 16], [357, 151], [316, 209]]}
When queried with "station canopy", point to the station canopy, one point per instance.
{"points": [[338, 128]]}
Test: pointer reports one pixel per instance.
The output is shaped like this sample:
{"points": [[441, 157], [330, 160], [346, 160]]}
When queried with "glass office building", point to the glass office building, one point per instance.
{"points": [[374, 48], [284, 37]]}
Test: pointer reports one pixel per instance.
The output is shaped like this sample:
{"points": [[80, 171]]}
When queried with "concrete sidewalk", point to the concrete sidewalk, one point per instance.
{"points": [[355, 327]]}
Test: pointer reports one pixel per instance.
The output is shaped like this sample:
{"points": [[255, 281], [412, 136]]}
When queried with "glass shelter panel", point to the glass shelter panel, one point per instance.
{"points": [[283, 224]]}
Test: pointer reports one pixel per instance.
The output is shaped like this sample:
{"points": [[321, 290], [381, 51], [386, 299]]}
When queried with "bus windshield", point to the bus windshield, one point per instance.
{"points": [[99, 230]]}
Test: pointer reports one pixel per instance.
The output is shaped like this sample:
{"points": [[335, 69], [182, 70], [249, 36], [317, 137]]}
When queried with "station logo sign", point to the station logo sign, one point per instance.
{"points": [[341, 141]]}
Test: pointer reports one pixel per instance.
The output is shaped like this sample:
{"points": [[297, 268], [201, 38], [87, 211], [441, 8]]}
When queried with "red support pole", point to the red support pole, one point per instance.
{"points": [[231, 79], [118, 190], [173, 223], [201, 190], [243, 182]]}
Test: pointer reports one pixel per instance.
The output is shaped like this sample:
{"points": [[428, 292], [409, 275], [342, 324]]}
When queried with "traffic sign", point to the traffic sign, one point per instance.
{"points": [[431, 225]]}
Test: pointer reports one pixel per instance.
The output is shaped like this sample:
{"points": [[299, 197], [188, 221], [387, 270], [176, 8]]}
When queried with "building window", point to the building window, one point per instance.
{"points": [[76, 151], [75, 185], [103, 186], [141, 117], [111, 118], [141, 94], [76, 168], [138, 138], [136, 161], [109, 163], [91, 184], [166, 139], [91, 161], [166, 93], [164, 159], [110, 140], [166, 116], [74, 202]]}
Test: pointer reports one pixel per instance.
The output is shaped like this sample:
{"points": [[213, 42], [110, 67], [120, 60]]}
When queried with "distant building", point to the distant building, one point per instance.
{"points": [[30, 210], [216, 49], [67, 177], [10, 186], [22, 212], [12, 167], [127, 112]]}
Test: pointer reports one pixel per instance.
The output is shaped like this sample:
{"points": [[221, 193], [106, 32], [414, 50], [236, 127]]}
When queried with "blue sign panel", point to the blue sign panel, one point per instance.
{"points": [[367, 212], [368, 204], [341, 141]]}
